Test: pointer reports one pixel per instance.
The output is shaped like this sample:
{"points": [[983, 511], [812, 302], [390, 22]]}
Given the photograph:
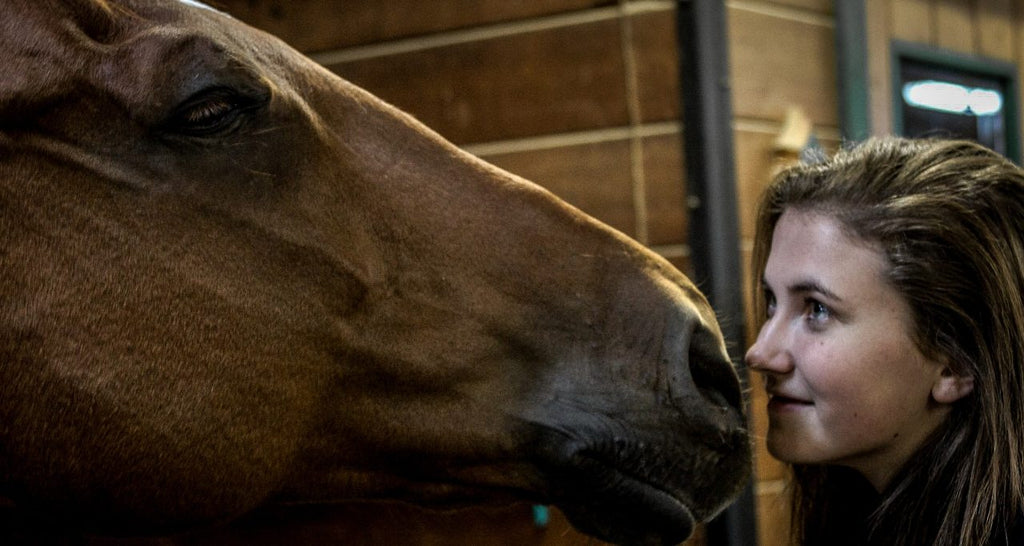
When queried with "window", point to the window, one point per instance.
{"points": [[944, 94]]}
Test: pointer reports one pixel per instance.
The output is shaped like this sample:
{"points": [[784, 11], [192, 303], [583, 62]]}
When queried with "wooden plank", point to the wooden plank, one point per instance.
{"points": [[657, 63], [753, 172], [879, 33], [773, 517], [954, 26], [594, 177], [777, 63], [665, 190], [995, 29], [556, 80], [820, 6], [328, 24], [912, 21]]}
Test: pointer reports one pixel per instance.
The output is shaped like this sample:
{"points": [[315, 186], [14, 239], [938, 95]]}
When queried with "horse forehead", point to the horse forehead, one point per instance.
{"points": [[37, 21], [52, 49]]}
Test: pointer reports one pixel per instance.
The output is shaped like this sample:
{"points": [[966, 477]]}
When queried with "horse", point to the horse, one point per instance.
{"points": [[233, 280]]}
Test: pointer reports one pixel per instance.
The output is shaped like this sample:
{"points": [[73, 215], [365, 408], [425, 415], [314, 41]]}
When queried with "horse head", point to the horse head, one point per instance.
{"points": [[232, 279]]}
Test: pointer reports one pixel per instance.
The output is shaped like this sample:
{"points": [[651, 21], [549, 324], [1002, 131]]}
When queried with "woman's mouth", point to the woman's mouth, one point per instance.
{"points": [[779, 402]]}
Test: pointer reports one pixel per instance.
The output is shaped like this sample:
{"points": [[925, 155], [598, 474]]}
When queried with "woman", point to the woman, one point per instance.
{"points": [[893, 343]]}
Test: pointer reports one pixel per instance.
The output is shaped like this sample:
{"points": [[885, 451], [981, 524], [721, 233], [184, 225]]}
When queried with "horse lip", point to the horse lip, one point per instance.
{"points": [[605, 499]]}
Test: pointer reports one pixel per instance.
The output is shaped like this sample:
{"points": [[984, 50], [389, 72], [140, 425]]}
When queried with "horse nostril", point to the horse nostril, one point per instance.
{"points": [[712, 371], [697, 362], [718, 384]]}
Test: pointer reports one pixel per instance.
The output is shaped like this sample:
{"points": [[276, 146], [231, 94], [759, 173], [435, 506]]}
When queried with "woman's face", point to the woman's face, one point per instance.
{"points": [[846, 383]]}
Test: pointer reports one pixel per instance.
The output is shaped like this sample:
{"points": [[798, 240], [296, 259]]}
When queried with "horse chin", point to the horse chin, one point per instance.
{"points": [[617, 507]]}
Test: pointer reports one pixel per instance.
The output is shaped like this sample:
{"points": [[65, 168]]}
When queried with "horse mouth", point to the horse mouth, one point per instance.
{"points": [[614, 504]]}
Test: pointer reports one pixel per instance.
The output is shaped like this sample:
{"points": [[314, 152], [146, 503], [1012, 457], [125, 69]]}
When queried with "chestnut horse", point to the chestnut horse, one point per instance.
{"points": [[232, 280]]}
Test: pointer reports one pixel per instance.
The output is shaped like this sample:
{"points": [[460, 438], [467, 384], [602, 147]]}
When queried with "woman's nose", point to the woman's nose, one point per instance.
{"points": [[769, 353]]}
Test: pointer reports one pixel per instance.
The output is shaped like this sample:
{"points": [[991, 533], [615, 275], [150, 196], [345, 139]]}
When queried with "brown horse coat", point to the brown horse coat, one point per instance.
{"points": [[231, 279]]}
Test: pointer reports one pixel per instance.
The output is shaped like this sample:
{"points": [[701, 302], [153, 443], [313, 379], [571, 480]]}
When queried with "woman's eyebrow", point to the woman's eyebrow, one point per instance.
{"points": [[805, 286], [810, 285]]}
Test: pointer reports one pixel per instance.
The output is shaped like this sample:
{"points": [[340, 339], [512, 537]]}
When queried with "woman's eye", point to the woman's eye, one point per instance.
{"points": [[817, 311], [769, 304]]}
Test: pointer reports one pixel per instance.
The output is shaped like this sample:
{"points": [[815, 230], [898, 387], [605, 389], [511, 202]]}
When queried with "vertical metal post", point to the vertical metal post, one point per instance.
{"points": [[852, 65], [711, 186]]}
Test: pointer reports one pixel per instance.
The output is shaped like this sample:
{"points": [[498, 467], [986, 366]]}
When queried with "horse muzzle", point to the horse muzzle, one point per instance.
{"points": [[625, 485]]}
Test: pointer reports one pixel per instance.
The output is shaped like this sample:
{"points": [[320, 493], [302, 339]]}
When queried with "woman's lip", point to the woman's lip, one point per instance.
{"points": [[777, 402]]}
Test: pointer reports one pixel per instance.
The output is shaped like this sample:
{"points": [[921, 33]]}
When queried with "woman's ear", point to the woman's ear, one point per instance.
{"points": [[949, 387]]}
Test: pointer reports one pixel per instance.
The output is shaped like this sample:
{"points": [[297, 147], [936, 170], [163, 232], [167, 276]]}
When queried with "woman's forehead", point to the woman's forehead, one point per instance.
{"points": [[811, 248]]}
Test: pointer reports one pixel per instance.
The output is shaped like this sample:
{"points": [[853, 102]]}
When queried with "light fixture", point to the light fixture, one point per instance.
{"points": [[952, 98]]}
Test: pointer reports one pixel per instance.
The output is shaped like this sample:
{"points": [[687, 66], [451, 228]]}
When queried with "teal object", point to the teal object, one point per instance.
{"points": [[541, 516]]}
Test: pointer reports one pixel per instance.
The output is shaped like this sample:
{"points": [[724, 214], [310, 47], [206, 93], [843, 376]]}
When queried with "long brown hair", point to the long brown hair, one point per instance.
{"points": [[949, 216]]}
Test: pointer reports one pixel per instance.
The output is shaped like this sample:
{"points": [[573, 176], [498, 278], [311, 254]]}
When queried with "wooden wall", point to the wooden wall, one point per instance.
{"points": [[986, 28], [581, 96]]}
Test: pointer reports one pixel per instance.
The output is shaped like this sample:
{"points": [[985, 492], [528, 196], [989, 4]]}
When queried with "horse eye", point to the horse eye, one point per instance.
{"points": [[209, 113]]}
